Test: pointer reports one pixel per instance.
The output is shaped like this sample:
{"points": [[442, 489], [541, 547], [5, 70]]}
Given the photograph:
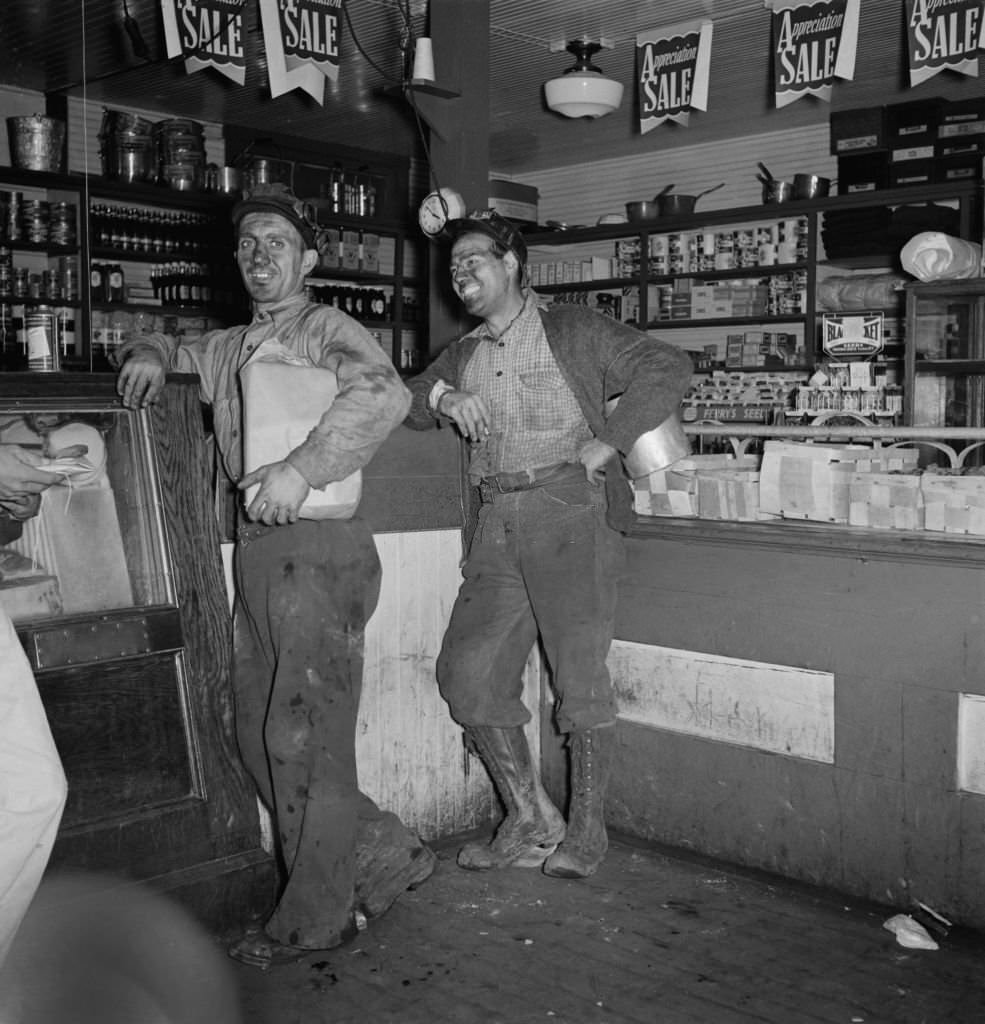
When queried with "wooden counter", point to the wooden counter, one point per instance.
{"points": [[808, 700]]}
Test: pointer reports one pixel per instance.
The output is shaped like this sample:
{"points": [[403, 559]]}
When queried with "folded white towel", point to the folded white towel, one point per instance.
{"points": [[934, 256]]}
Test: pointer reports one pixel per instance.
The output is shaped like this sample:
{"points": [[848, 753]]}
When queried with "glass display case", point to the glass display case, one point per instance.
{"points": [[94, 543], [945, 353], [114, 581]]}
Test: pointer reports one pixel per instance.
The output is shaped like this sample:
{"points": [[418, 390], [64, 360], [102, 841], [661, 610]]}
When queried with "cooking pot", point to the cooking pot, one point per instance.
{"points": [[645, 209], [675, 205], [666, 205], [775, 190], [810, 186], [222, 179]]}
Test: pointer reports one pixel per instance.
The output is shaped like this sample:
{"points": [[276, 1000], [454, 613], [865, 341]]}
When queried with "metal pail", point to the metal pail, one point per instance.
{"points": [[36, 142], [657, 448]]}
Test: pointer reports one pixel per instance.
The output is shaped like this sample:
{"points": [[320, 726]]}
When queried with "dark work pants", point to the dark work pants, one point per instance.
{"points": [[304, 595], [541, 560]]}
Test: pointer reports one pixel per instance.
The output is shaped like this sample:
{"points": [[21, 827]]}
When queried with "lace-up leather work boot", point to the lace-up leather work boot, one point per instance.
{"points": [[533, 826], [586, 842]]}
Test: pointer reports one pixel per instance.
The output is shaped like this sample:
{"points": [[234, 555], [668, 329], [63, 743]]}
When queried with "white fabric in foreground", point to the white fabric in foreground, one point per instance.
{"points": [[934, 256]]}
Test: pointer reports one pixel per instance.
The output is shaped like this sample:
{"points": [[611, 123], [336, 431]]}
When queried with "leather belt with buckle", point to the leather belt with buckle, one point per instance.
{"points": [[525, 479]]}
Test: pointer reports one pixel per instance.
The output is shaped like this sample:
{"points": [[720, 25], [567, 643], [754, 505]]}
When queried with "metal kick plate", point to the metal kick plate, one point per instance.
{"points": [[84, 642]]}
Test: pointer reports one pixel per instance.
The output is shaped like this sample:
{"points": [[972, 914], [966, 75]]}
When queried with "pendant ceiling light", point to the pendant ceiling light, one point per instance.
{"points": [[583, 91]]}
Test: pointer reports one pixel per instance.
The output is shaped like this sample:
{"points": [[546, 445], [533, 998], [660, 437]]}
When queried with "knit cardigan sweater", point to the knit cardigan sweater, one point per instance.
{"points": [[600, 359]]}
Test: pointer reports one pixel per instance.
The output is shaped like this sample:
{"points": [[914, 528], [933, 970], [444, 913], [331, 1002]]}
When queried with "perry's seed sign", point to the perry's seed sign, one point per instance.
{"points": [[672, 68], [813, 44], [944, 34]]}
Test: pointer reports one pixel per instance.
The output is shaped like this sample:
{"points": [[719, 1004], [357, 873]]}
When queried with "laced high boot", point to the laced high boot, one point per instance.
{"points": [[586, 841], [533, 826]]}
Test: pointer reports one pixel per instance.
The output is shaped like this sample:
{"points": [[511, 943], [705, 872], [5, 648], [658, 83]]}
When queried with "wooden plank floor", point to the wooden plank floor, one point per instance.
{"points": [[653, 938]]}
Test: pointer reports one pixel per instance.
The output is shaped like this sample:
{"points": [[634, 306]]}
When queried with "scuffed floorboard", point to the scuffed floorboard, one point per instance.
{"points": [[654, 938]]}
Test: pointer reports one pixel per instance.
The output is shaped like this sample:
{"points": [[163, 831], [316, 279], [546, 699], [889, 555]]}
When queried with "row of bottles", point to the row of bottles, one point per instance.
{"points": [[182, 284], [365, 303], [156, 232], [351, 194], [107, 282]]}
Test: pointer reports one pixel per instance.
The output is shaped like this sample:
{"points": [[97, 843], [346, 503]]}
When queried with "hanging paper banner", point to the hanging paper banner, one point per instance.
{"points": [[208, 34], [302, 42], [944, 34], [673, 65], [813, 44]]}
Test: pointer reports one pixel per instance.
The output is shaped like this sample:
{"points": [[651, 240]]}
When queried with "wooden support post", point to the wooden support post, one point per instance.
{"points": [[459, 139]]}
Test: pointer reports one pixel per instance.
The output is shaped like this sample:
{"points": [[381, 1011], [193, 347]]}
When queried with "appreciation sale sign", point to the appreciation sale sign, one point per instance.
{"points": [[672, 67], [944, 34], [208, 34], [813, 44], [302, 43]]}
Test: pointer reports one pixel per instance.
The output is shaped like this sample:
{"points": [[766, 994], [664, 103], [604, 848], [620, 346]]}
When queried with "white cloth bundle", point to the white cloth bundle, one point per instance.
{"points": [[284, 398], [934, 256]]}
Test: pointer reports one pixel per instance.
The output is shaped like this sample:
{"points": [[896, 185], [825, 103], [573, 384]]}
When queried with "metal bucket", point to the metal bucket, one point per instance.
{"points": [[128, 158], [657, 448], [36, 142]]}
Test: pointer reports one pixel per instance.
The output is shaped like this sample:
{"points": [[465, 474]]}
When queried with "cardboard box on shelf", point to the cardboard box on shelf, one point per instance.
{"points": [[350, 250], [857, 130], [864, 172], [371, 252], [914, 122], [516, 202]]}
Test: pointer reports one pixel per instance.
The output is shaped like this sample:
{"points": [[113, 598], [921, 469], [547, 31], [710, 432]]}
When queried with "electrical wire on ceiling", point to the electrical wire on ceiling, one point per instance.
{"points": [[133, 32], [407, 40]]}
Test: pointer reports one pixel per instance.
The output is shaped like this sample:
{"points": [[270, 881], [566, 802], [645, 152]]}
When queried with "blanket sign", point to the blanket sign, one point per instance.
{"points": [[856, 335], [208, 34], [813, 44], [302, 40], [672, 72], [944, 34]]}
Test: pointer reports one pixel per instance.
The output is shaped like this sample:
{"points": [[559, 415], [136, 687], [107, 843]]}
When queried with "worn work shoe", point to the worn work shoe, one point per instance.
{"points": [[258, 949], [390, 859], [586, 842], [533, 826]]}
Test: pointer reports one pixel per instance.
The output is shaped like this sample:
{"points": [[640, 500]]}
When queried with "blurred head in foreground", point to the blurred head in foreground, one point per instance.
{"points": [[96, 949]]}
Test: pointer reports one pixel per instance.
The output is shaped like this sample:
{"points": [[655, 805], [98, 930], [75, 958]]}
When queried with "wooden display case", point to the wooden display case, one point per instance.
{"points": [[945, 353], [119, 599]]}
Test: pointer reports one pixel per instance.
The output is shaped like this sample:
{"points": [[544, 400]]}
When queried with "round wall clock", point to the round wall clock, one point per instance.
{"points": [[437, 208]]}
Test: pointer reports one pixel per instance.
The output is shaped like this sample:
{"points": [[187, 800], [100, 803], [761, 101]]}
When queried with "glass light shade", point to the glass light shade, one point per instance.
{"points": [[583, 94]]}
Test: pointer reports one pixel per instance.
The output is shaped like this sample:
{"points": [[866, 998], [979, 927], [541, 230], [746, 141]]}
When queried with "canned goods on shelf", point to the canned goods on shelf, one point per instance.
{"points": [[42, 348]]}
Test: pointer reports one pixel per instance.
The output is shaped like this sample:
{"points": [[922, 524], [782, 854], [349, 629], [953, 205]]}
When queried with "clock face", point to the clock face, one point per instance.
{"points": [[437, 209]]}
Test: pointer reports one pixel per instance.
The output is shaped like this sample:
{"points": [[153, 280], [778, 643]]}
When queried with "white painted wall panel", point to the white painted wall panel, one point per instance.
{"points": [[411, 757], [581, 194], [777, 708], [971, 743]]}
